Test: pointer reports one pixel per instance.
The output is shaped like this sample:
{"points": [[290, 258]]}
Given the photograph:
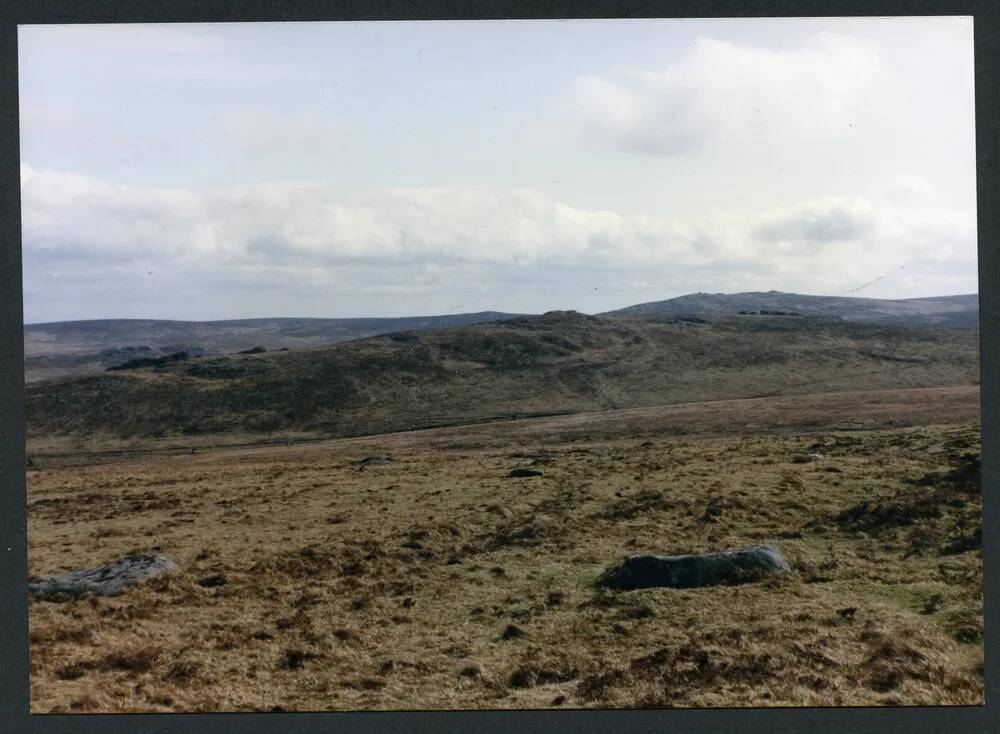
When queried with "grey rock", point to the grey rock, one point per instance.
{"points": [[689, 571], [111, 578]]}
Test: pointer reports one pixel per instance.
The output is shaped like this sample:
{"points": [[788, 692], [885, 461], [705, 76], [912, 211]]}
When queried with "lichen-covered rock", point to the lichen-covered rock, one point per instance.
{"points": [[111, 578], [688, 571]]}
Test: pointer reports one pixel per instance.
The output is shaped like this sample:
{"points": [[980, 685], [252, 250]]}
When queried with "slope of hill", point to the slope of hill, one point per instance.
{"points": [[82, 347], [67, 348], [960, 311], [560, 362]]}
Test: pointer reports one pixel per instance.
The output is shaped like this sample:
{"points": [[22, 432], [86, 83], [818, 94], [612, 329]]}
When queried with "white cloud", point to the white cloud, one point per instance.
{"points": [[67, 212], [820, 246], [725, 90], [660, 116]]}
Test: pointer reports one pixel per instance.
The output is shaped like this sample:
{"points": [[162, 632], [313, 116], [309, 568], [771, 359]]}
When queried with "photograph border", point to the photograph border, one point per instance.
{"points": [[14, 672]]}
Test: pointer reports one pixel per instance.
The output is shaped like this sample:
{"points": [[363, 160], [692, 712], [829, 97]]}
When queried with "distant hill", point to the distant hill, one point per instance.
{"points": [[84, 347], [560, 362], [948, 311], [68, 348]]}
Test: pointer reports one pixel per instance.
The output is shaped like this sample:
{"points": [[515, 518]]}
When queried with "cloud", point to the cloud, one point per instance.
{"points": [[304, 222], [299, 232], [821, 221], [63, 211], [660, 118], [726, 90]]}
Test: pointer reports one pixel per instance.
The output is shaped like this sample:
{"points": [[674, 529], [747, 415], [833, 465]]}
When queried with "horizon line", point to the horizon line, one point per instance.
{"points": [[482, 311]]}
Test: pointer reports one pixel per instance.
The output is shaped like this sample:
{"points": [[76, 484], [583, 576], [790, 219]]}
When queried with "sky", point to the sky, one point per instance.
{"points": [[214, 171]]}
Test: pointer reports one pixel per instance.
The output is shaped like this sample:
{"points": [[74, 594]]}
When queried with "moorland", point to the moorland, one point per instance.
{"points": [[348, 534]]}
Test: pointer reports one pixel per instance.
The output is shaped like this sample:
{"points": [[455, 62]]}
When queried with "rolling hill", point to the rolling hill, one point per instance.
{"points": [[960, 311], [85, 347], [65, 348], [560, 362]]}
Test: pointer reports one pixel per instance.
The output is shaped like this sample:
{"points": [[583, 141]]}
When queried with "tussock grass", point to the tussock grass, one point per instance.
{"points": [[410, 599]]}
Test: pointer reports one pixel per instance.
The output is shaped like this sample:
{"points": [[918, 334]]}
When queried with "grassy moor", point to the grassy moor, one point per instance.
{"points": [[348, 533]]}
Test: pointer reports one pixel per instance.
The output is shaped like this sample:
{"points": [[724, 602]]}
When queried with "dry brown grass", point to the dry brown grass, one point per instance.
{"points": [[435, 581]]}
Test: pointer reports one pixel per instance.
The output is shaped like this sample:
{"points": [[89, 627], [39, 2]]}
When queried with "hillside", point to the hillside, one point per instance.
{"points": [[561, 362], [960, 311], [83, 347], [76, 348]]}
